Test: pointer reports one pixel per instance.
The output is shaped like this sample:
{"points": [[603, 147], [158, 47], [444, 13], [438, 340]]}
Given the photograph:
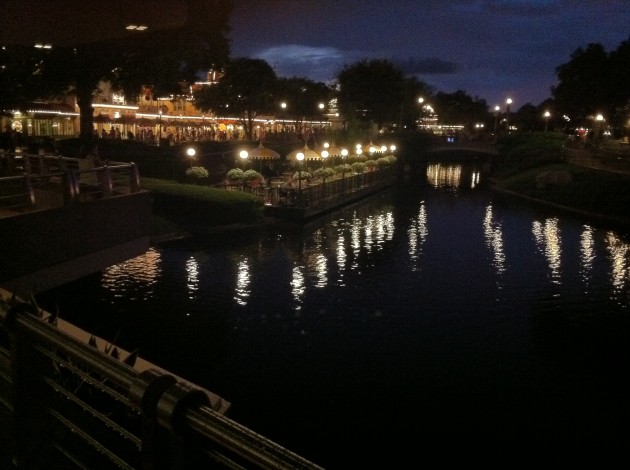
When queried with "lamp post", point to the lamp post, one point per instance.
{"points": [[299, 157], [324, 155], [497, 108], [243, 155], [160, 121], [546, 116], [420, 101], [191, 152], [508, 102], [283, 107]]}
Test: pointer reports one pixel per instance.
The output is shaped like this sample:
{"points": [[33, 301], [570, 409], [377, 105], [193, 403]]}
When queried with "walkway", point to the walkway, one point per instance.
{"points": [[586, 158]]}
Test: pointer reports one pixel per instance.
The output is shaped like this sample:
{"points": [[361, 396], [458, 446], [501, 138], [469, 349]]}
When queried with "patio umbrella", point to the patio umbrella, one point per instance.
{"points": [[308, 154], [263, 153], [102, 118]]}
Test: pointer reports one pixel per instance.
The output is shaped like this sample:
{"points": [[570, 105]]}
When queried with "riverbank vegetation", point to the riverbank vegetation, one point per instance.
{"points": [[534, 166], [200, 208]]}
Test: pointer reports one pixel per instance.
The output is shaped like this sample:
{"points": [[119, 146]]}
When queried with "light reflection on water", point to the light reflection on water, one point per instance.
{"points": [[134, 277], [444, 304]]}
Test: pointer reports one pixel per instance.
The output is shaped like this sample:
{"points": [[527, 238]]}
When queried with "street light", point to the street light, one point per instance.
{"points": [[160, 134], [283, 107], [546, 116], [324, 155], [497, 108], [299, 157], [508, 102], [191, 152], [244, 154]]}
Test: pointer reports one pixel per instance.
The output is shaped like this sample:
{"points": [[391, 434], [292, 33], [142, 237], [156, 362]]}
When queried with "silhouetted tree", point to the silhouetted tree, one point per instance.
{"points": [[460, 108], [244, 91], [371, 91], [303, 97], [162, 59]]}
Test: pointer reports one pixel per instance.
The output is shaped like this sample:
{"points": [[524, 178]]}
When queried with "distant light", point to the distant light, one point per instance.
{"points": [[599, 117], [324, 154], [244, 154], [383, 148], [326, 145], [135, 27], [321, 105], [299, 156], [509, 101], [344, 152], [392, 148], [43, 46], [191, 152]]}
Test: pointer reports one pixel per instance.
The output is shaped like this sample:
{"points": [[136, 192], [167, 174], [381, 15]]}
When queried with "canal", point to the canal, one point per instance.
{"points": [[435, 320]]}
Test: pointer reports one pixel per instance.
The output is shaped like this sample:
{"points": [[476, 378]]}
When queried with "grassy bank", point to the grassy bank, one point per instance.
{"points": [[199, 209], [533, 167]]}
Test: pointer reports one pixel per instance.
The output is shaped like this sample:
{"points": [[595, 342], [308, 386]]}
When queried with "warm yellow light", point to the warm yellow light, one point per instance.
{"points": [[344, 152], [299, 156], [325, 154], [190, 151], [244, 154]]}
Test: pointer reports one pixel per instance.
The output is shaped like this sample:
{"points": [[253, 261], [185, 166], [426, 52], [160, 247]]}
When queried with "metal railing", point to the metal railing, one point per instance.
{"points": [[73, 406], [314, 193], [39, 178]]}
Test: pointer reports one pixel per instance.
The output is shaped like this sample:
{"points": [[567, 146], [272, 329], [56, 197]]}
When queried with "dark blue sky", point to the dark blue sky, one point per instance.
{"points": [[491, 49]]}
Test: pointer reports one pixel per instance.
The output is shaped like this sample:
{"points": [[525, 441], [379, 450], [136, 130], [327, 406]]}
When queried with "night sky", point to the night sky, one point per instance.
{"points": [[490, 49]]}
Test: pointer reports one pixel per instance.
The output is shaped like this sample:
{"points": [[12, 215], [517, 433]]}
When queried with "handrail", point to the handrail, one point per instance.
{"points": [[27, 190], [82, 404]]}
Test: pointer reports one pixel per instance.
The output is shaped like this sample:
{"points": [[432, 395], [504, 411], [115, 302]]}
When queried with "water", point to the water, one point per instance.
{"points": [[433, 321]]}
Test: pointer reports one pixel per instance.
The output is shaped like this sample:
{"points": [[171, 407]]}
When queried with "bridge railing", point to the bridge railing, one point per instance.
{"points": [[44, 181], [71, 405]]}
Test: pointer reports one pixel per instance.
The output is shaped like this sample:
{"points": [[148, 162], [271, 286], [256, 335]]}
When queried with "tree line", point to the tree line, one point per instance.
{"points": [[368, 94]]}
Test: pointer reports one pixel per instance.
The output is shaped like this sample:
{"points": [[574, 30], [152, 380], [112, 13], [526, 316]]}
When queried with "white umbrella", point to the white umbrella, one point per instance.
{"points": [[263, 153], [308, 154]]}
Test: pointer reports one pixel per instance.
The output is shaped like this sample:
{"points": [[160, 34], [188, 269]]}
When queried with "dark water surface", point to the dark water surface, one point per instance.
{"points": [[433, 321]]}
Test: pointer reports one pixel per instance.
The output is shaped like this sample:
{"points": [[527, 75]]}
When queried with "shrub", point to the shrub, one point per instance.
{"points": [[251, 175], [302, 175], [358, 167], [345, 168], [371, 165], [197, 172], [235, 175], [324, 173]]}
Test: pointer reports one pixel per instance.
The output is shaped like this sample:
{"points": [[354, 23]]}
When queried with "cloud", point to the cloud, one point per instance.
{"points": [[428, 66], [318, 63]]}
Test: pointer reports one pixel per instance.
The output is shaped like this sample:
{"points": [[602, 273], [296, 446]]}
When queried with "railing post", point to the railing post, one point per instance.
{"points": [[29, 189], [171, 409], [145, 393], [135, 178], [30, 400], [70, 187], [107, 180]]}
